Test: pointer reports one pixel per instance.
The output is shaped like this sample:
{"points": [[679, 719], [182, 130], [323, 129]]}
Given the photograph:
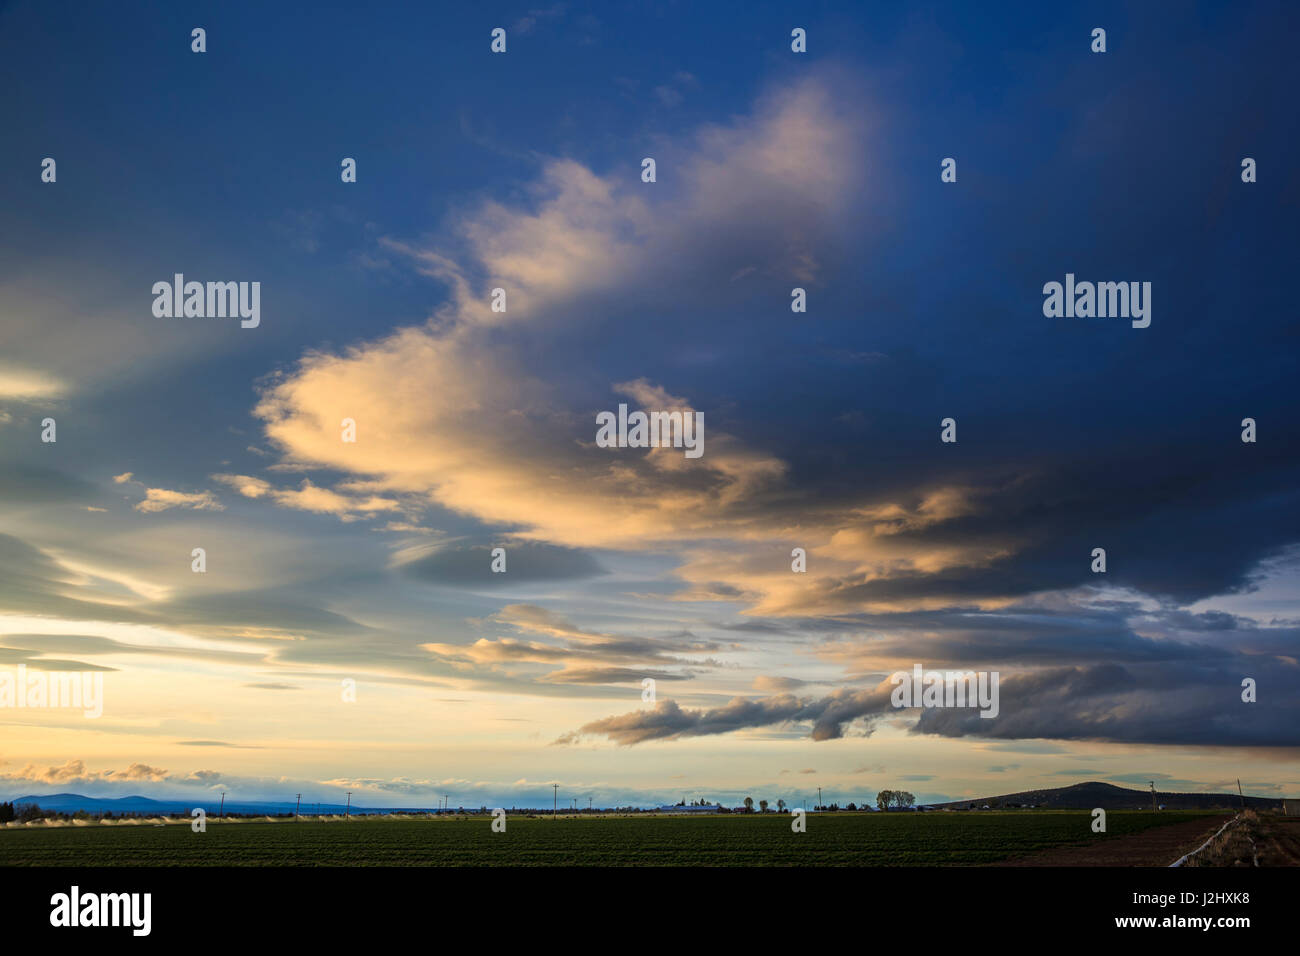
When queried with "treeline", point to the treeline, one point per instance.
{"points": [[885, 800], [22, 813]]}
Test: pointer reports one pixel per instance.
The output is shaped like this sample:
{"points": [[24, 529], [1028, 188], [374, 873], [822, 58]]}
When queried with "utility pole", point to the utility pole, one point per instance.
{"points": [[295, 809], [348, 810], [1240, 794], [1153, 794], [819, 798], [222, 813], [555, 797]]}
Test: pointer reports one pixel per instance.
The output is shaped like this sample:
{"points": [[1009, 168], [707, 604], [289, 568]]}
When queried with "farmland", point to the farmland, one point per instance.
{"points": [[903, 839]]}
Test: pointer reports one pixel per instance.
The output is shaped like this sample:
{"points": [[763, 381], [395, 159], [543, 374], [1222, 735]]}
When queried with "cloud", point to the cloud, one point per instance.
{"points": [[668, 721], [203, 743], [310, 497], [75, 772], [34, 582], [778, 684], [525, 24], [501, 441], [526, 562], [486, 419], [1167, 702], [572, 656], [37, 485], [72, 771], [163, 499], [140, 771], [27, 385]]}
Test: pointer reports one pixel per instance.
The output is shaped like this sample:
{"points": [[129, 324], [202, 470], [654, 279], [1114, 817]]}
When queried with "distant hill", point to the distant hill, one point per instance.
{"points": [[72, 802], [1086, 796]]}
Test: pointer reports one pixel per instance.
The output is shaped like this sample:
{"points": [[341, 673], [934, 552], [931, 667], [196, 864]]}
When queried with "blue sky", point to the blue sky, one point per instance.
{"points": [[369, 562]]}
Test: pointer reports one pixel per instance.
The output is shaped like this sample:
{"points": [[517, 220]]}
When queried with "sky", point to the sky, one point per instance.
{"points": [[348, 632]]}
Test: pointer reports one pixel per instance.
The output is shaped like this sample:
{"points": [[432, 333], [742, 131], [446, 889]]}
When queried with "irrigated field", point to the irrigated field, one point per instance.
{"points": [[903, 839]]}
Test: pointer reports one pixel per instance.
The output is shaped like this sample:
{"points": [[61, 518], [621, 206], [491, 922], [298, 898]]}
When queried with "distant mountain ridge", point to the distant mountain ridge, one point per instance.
{"points": [[72, 802], [1086, 796]]}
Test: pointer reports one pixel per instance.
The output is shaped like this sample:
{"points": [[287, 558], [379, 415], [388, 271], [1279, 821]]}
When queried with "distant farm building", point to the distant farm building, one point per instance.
{"points": [[698, 808]]}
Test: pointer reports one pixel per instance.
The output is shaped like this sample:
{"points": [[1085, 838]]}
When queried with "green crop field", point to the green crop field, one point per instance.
{"points": [[903, 839]]}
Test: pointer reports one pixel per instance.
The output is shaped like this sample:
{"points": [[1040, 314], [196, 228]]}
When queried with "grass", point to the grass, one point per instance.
{"points": [[903, 839]]}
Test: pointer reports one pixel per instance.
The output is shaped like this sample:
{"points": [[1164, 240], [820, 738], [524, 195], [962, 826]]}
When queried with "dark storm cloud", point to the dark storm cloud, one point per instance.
{"points": [[1057, 633], [1192, 523], [668, 721], [1177, 702], [1170, 703]]}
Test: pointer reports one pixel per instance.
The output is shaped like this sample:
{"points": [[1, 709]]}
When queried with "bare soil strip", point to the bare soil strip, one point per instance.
{"points": [[1156, 847]]}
